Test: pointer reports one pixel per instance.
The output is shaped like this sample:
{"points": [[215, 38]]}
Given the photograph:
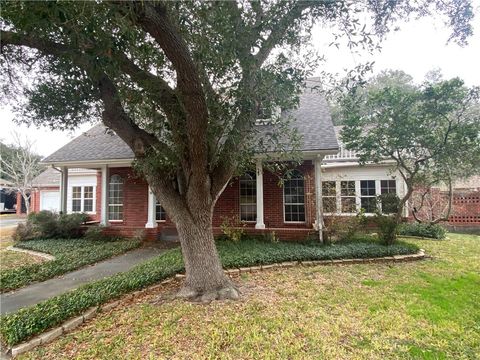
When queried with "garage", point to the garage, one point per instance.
{"points": [[50, 200]]}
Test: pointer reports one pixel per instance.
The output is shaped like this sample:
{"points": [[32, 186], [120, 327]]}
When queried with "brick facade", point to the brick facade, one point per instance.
{"points": [[466, 208]]}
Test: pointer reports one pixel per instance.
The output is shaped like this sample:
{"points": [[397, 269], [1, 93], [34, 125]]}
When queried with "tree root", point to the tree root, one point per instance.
{"points": [[226, 292]]}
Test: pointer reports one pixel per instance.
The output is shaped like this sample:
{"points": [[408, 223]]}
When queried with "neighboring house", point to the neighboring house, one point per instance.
{"points": [[82, 183], [122, 201]]}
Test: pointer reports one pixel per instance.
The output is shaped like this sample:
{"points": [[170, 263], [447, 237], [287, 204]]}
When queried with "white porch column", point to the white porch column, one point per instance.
{"points": [[104, 200], [318, 197], [259, 182], [63, 189], [151, 222]]}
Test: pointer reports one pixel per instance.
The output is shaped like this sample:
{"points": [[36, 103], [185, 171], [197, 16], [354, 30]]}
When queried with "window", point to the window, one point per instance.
{"points": [[160, 214], [347, 197], [82, 198], [88, 198], [76, 198], [115, 198], [248, 197], [329, 197], [294, 197], [389, 203], [367, 196]]}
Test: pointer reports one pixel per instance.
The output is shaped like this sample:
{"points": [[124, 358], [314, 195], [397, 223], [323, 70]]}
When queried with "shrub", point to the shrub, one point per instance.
{"points": [[46, 224], [24, 232], [232, 228], [433, 231], [387, 228], [30, 321], [342, 228], [94, 233], [69, 225]]}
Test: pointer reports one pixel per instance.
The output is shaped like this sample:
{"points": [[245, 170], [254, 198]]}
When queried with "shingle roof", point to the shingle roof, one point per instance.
{"points": [[311, 118], [95, 144]]}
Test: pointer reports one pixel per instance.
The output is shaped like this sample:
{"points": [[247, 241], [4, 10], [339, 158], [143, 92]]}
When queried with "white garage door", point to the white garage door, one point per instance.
{"points": [[50, 200]]}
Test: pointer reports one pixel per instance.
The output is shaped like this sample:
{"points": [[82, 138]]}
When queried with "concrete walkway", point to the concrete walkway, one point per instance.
{"points": [[35, 293]]}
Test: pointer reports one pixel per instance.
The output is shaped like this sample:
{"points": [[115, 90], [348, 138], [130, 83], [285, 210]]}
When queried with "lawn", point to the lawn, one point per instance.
{"points": [[70, 254], [427, 309], [12, 259]]}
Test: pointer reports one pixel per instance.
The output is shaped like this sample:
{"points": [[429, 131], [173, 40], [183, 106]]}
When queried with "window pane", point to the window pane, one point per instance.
{"points": [[160, 214], [88, 205], [368, 204], [348, 205], [329, 188], [329, 204], [88, 192], [347, 188], [76, 192], [388, 186], [76, 205], [248, 197], [367, 188]]}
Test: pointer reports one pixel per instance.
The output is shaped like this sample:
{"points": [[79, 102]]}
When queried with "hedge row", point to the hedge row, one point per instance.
{"points": [[422, 230], [70, 254], [31, 321]]}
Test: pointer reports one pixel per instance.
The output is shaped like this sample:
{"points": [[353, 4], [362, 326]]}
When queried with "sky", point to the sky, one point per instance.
{"points": [[418, 47]]}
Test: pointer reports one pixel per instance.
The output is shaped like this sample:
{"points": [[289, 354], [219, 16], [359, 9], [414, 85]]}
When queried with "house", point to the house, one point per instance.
{"points": [[93, 174]]}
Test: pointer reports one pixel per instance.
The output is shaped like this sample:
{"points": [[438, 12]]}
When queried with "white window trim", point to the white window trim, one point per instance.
{"points": [[110, 204], [357, 195], [155, 215], [249, 204], [304, 204], [367, 196], [82, 199]]}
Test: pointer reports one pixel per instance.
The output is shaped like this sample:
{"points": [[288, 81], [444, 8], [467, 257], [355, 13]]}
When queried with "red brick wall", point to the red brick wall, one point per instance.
{"points": [[135, 204], [465, 207]]}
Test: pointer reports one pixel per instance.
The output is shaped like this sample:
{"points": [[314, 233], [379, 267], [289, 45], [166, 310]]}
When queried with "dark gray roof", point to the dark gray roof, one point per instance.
{"points": [[311, 118], [95, 144]]}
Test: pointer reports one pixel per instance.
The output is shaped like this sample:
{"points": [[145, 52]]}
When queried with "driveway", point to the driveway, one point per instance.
{"points": [[10, 220]]}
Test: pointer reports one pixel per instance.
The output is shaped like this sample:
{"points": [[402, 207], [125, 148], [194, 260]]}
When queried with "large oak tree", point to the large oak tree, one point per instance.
{"points": [[181, 83]]}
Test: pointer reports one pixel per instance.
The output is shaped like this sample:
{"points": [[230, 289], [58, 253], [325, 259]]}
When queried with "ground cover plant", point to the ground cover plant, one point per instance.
{"points": [[419, 310], [36, 319], [70, 254]]}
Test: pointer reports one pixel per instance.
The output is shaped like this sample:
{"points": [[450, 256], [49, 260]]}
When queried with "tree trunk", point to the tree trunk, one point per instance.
{"points": [[205, 279]]}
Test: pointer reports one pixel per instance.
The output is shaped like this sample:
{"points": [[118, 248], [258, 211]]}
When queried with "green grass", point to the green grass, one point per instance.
{"points": [[420, 310], [31, 321], [70, 254]]}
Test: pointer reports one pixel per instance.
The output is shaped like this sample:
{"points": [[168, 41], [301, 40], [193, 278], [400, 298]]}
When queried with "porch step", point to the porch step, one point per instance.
{"points": [[168, 234]]}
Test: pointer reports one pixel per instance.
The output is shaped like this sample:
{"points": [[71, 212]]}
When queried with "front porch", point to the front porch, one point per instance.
{"points": [[125, 206]]}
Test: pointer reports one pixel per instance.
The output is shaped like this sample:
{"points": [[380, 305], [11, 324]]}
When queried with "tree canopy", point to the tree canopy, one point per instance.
{"points": [[431, 131], [182, 84]]}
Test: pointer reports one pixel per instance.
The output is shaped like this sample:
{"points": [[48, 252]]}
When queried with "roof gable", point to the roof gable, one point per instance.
{"points": [[311, 119]]}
